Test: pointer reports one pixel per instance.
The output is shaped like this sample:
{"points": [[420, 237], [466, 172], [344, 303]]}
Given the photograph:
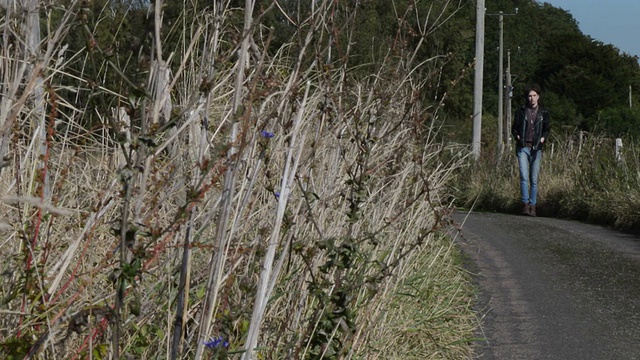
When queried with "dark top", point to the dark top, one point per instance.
{"points": [[530, 134]]}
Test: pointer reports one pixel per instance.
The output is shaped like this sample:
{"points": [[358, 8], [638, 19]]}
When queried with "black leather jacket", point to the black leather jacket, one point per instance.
{"points": [[541, 128]]}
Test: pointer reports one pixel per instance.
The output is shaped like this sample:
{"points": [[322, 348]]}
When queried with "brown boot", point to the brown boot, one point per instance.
{"points": [[525, 209], [532, 210]]}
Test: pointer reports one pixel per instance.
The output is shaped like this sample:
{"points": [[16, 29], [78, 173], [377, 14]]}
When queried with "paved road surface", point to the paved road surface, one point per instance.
{"points": [[553, 289]]}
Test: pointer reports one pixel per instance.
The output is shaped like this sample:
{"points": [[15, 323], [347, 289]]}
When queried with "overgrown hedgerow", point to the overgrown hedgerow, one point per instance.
{"points": [[207, 198]]}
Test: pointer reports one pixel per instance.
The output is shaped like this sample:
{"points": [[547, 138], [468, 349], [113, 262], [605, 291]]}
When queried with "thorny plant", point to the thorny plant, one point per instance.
{"points": [[268, 199]]}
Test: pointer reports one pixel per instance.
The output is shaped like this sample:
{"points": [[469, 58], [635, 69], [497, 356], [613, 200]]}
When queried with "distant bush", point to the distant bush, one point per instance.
{"points": [[616, 122]]}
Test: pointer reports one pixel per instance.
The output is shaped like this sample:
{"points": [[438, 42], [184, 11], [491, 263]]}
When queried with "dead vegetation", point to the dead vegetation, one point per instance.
{"points": [[273, 206]]}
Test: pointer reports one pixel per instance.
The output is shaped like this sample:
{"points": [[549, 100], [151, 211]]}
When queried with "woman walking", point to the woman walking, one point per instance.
{"points": [[530, 130]]}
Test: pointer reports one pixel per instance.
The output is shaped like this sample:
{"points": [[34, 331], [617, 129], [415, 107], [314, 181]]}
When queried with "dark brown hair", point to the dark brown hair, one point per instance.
{"points": [[530, 88]]}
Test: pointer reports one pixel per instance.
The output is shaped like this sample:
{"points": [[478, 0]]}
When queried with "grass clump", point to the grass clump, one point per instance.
{"points": [[429, 308]]}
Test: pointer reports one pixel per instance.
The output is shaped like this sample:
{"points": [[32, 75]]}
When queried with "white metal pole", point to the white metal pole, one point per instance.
{"points": [[500, 85], [477, 86]]}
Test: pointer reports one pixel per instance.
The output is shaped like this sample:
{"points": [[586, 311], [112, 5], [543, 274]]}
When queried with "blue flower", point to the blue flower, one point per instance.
{"points": [[277, 194], [216, 343], [267, 134]]}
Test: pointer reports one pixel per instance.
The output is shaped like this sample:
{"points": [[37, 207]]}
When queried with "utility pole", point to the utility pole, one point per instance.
{"points": [[501, 85], [477, 85], [507, 98]]}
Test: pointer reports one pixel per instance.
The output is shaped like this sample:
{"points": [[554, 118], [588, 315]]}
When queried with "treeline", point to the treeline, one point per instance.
{"points": [[585, 82]]}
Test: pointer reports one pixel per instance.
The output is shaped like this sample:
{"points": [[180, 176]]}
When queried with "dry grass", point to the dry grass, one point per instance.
{"points": [[294, 212], [579, 179]]}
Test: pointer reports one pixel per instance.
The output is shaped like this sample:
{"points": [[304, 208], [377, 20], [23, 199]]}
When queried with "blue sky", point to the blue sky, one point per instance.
{"points": [[615, 22]]}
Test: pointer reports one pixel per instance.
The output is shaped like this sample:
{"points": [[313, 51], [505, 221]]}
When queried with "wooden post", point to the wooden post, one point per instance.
{"points": [[507, 98], [580, 140], [618, 149]]}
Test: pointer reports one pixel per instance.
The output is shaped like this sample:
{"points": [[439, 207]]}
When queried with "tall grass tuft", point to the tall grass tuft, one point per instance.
{"points": [[212, 198]]}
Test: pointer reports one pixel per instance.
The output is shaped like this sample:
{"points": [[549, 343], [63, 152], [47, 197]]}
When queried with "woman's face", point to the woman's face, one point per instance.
{"points": [[532, 98]]}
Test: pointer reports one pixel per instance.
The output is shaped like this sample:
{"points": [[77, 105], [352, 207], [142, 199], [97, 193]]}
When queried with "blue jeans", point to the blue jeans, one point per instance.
{"points": [[529, 162]]}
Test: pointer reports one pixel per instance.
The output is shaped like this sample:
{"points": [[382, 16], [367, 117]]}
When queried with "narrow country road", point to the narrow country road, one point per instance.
{"points": [[552, 289]]}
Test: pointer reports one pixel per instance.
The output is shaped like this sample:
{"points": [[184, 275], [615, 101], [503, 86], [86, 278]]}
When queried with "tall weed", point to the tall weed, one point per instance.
{"points": [[212, 199]]}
